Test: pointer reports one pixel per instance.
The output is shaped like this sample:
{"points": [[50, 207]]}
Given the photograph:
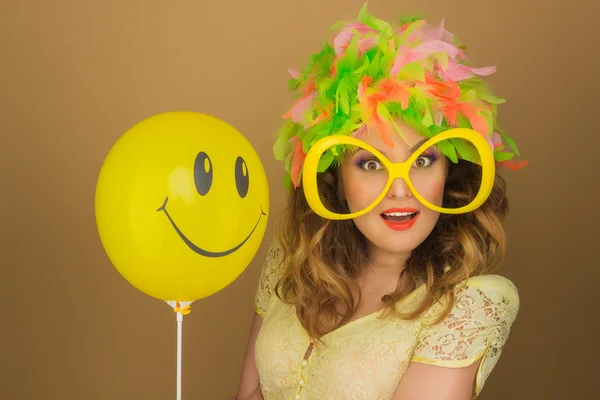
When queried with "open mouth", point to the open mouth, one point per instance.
{"points": [[399, 217], [200, 250]]}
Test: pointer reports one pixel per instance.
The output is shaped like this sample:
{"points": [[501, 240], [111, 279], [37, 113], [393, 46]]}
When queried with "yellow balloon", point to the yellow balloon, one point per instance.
{"points": [[182, 203]]}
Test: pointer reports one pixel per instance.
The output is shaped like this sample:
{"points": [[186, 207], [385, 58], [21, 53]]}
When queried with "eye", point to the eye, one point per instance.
{"points": [[371, 165], [241, 177], [422, 162], [203, 173]]}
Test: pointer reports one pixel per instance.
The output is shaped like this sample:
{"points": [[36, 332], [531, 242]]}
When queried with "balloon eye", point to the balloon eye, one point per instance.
{"points": [[241, 177], [203, 173]]}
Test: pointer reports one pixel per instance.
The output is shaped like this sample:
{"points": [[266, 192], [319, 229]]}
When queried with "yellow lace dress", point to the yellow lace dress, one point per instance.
{"points": [[366, 358]]}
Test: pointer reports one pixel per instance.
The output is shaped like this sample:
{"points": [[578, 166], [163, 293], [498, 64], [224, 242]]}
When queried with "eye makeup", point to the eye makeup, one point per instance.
{"points": [[432, 154], [363, 156]]}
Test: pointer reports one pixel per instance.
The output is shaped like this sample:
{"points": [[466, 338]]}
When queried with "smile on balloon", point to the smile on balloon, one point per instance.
{"points": [[200, 250]]}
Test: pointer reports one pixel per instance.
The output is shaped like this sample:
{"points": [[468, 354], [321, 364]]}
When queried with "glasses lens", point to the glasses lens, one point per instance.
{"points": [[433, 175], [357, 182]]}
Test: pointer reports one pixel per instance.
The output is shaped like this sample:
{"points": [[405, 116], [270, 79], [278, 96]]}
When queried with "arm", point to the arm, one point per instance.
{"points": [[430, 382], [454, 357], [257, 395], [249, 386]]}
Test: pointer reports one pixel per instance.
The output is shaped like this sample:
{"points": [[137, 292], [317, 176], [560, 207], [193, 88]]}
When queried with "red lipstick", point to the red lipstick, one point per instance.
{"points": [[400, 219]]}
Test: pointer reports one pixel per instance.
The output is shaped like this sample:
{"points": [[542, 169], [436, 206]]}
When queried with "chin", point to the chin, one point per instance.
{"points": [[392, 240], [395, 243]]}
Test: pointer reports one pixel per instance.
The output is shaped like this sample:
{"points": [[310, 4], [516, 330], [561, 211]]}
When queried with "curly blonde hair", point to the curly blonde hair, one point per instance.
{"points": [[321, 258]]}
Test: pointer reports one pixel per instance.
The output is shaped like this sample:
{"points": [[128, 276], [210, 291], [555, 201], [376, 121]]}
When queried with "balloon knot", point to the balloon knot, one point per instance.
{"points": [[185, 310]]}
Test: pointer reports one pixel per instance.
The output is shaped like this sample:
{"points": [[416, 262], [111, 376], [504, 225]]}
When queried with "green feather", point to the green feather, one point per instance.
{"points": [[462, 121], [293, 84], [282, 145], [413, 71], [448, 149], [465, 150], [373, 22], [482, 90], [341, 96], [503, 156], [410, 29], [323, 87], [427, 118], [361, 70], [509, 141], [374, 70], [404, 19], [287, 182], [326, 159]]}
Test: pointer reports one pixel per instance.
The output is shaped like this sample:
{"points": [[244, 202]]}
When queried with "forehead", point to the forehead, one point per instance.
{"points": [[403, 141]]}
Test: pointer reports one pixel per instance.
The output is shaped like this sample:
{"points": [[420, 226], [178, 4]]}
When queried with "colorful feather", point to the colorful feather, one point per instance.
{"points": [[294, 73], [374, 72], [341, 41], [458, 72], [296, 160]]}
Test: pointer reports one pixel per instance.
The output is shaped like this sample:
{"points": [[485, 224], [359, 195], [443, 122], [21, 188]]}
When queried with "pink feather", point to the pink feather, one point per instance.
{"points": [[458, 72], [438, 117], [298, 111], [496, 140], [433, 33], [440, 71], [294, 73], [345, 36], [490, 141], [360, 132], [404, 56], [366, 44], [434, 46]]}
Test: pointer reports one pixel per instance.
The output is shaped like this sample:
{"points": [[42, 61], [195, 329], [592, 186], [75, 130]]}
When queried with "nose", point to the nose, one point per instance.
{"points": [[399, 189]]}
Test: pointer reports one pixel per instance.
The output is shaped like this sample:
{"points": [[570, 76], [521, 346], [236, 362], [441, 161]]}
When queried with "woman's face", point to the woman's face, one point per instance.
{"points": [[400, 222]]}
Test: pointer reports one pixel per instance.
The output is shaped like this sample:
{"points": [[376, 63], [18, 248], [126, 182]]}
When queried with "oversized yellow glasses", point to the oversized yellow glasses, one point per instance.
{"points": [[380, 173]]}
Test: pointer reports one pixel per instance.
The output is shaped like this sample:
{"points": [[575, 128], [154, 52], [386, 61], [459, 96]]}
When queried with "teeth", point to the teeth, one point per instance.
{"points": [[398, 214]]}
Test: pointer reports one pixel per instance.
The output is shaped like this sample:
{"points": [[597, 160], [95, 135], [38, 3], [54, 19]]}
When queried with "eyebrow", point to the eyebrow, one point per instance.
{"points": [[361, 149], [411, 150], [416, 146]]}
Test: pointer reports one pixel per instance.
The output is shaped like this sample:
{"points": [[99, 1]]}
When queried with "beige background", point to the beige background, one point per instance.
{"points": [[75, 75]]}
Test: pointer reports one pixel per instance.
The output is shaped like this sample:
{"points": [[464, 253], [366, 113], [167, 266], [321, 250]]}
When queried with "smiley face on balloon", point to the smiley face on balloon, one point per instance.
{"points": [[182, 203]]}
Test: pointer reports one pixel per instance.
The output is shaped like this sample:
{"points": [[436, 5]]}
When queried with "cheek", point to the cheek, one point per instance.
{"points": [[358, 191], [432, 188], [355, 194], [437, 191]]}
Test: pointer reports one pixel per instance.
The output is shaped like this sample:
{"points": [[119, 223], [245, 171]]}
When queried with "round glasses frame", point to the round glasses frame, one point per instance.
{"points": [[398, 170]]}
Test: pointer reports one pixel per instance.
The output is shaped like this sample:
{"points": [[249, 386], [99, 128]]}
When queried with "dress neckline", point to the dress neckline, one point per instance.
{"points": [[366, 317]]}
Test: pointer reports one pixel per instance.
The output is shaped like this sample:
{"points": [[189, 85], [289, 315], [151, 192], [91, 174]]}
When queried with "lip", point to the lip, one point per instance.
{"points": [[400, 226], [405, 209]]}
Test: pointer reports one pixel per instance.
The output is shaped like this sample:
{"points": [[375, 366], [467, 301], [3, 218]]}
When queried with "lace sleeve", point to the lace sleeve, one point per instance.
{"points": [[478, 327], [269, 275]]}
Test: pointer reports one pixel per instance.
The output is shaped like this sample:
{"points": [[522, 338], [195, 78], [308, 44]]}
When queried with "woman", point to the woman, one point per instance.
{"points": [[378, 287]]}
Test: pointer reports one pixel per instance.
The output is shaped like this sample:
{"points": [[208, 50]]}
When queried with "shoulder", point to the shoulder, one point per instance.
{"points": [[274, 255], [483, 300], [270, 273], [494, 293], [494, 286], [476, 328]]}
